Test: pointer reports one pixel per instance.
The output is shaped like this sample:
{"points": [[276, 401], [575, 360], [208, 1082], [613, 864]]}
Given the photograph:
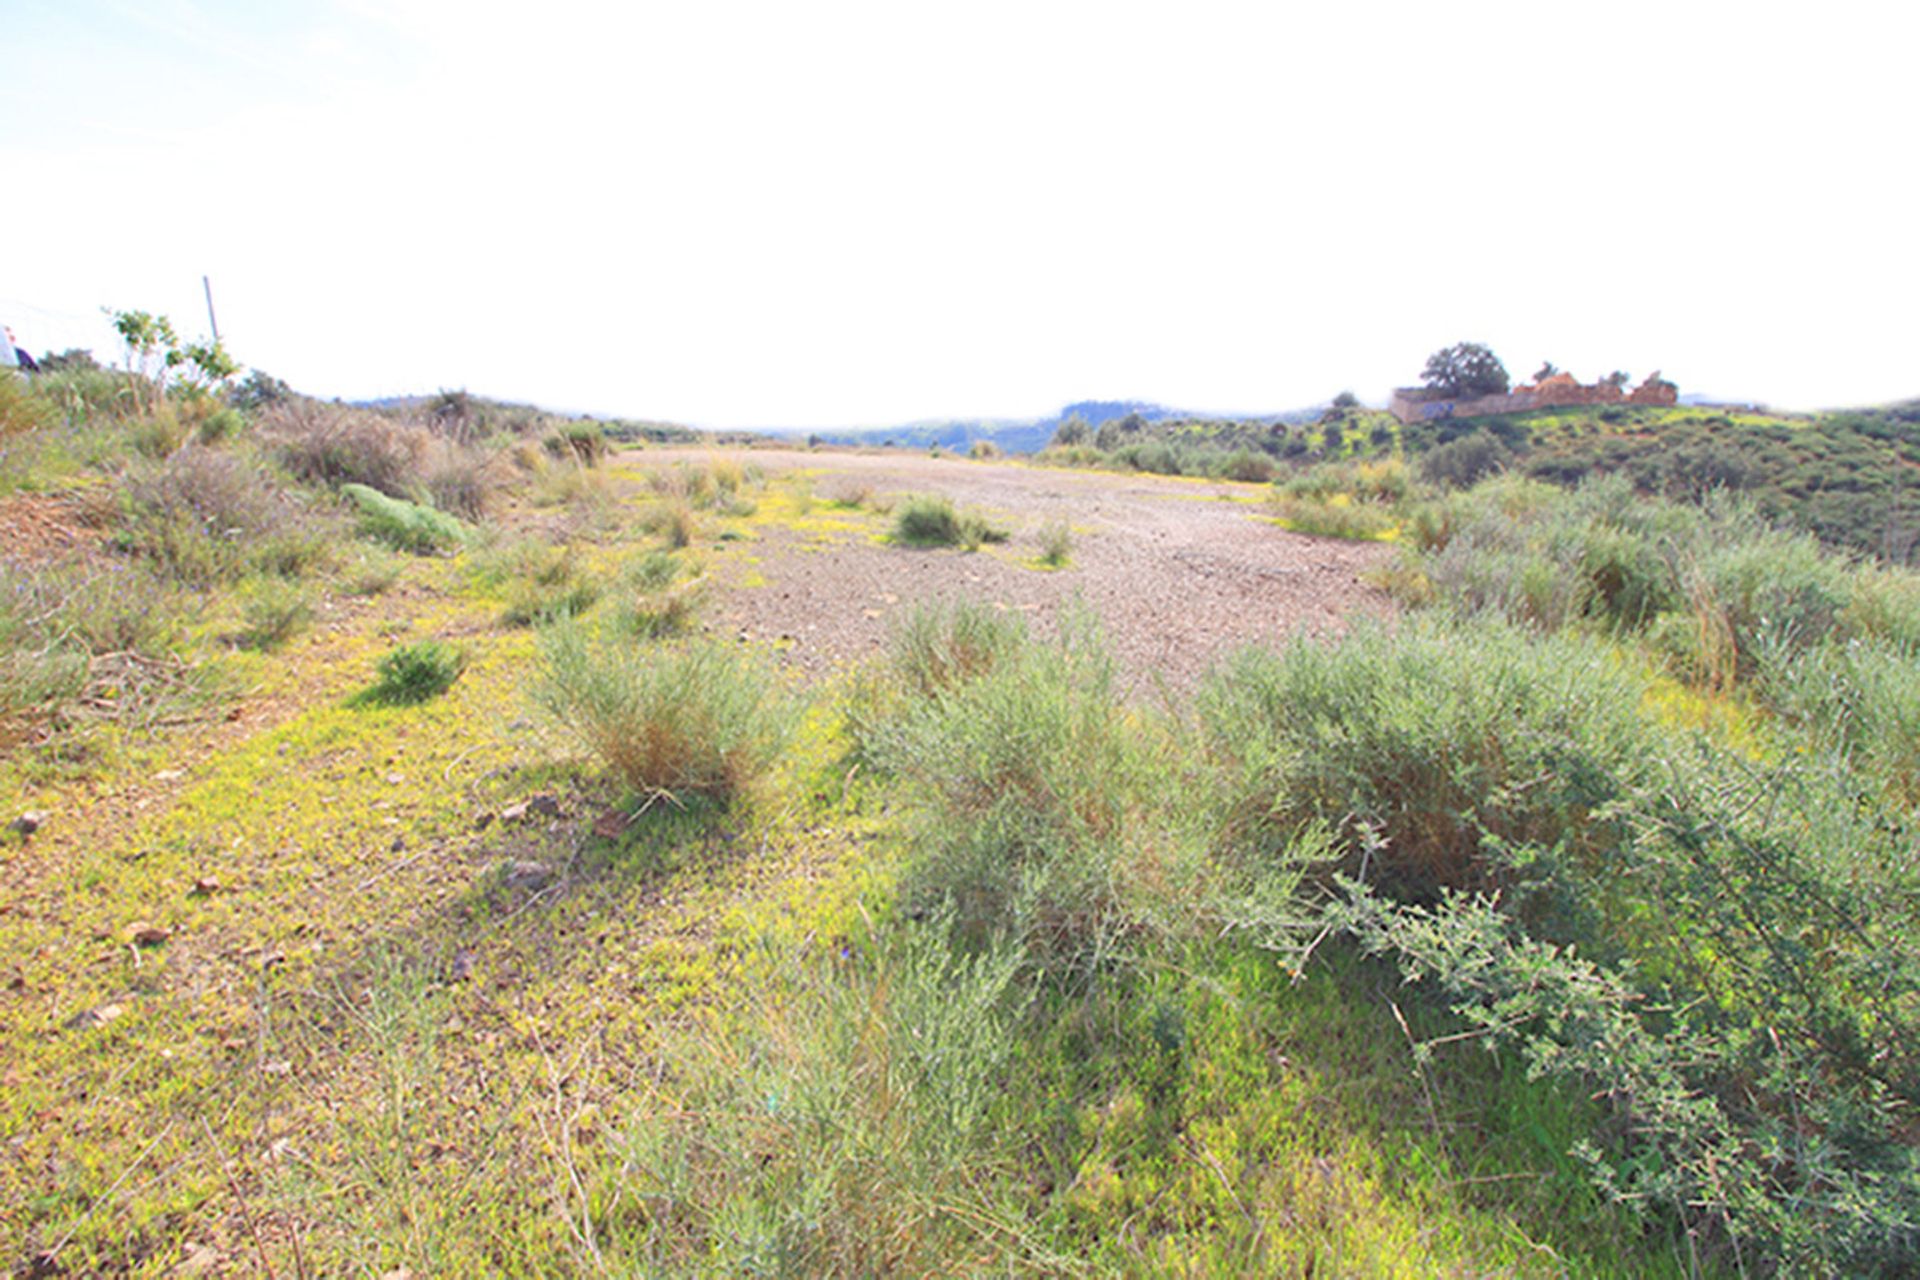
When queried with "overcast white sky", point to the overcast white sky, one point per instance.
{"points": [[830, 213]]}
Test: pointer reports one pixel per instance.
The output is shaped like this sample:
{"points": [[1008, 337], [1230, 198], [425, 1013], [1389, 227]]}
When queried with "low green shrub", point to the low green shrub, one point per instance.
{"points": [[813, 1135], [1055, 540], [403, 525], [1333, 519], [272, 612], [1435, 747], [414, 673], [937, 647], [1041, 804], [22, 409], [932, 521], [1465, 462], [691, 720]]}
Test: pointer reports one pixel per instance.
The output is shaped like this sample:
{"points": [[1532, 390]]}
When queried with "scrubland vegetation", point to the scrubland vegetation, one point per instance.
{"points": [[1563, 925]]}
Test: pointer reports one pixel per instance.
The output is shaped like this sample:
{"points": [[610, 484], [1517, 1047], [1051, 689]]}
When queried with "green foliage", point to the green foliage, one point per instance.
{"points": [[691, 720], [1039, 801], [272, 612], [208, 516], [1465, 370], [816, 1135], [21, 410], [405, 526], [651, 606], [1466, 461], [1055, 540], [538, 580], [1072, 432], [932, 521], [938, 647], [1435, 748], [584, 442], [414, 673]]}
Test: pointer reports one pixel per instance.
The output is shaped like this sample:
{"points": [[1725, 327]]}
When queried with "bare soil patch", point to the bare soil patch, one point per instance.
{"points": [[1181, 572]]}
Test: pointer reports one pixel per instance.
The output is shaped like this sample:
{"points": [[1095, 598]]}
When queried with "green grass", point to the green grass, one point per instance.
{"points": [[932, 521], [674, 723]]}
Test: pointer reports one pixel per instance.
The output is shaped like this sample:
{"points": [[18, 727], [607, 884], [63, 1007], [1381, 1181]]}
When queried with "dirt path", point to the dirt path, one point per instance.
{"points": [[1180, 571]]}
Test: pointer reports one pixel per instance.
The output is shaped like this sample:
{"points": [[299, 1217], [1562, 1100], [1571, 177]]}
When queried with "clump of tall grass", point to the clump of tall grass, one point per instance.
{"points": [[91, 639], [651, 605], [1055, 540], [461, 481], [690, 720], [272, 612], [938, 647], [1338, 517], [1044, 802], [585, 442], [830, 1130], [932, 521], [537, 579]]}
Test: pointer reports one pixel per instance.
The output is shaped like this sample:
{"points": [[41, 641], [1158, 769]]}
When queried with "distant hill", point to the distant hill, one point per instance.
{"points": [[1030, 435]]}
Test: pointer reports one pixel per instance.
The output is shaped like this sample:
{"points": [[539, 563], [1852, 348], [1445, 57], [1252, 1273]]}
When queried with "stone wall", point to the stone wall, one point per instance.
{"points": [[1418, 404]]}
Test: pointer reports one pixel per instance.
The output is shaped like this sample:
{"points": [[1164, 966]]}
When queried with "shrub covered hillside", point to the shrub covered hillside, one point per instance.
{"points": [[411, 869], [1848, 477]]}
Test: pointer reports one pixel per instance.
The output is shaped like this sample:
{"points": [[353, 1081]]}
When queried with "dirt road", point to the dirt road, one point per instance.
{"points": [[1180, 571]]}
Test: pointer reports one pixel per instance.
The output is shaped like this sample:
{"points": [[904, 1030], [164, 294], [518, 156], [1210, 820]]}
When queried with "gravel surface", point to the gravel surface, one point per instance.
{"points": [[1181, 572]]}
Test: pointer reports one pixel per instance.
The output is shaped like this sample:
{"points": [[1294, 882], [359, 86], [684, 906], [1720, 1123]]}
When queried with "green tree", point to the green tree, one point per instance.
{"points": [[1073, 431], [1466, 369]]}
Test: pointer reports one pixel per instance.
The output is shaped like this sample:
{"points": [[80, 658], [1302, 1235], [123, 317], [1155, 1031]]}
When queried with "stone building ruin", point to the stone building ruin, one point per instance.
{"points": [[1423, 404]]}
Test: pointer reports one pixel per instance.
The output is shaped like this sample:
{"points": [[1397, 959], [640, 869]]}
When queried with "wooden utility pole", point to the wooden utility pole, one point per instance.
{"points": [[214, 324]]}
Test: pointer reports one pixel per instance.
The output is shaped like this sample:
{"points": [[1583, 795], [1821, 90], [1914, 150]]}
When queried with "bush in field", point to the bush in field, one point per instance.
{"points": [[1333, 519], [691, 720], [538, 580], [1248, 467], [809, 1136], [932, 521], [1039, 801], [1466, 461], [938, 647], [66, 628], [1056, 543], [1439, 750], [414, 673], [461, 481], [405, 526], [328, 444], [208, 516], [272, 612]]}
